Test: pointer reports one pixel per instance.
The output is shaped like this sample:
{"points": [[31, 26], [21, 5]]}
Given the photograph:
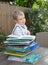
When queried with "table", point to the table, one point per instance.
{"points": [[40, 50]]}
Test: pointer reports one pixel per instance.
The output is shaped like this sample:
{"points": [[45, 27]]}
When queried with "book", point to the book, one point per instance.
{"points": [[16, 42], [22, 48], [19, 40], [32, 37], [32, 46], [18, 54], [12, 38], [15, 49], [31, 58]]}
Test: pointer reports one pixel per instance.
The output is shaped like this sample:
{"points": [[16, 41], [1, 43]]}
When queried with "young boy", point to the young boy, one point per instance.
{"points": [[20, 27]]}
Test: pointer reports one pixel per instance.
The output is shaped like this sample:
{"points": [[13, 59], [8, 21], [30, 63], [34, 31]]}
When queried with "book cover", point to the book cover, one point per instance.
{"points": [[32, 46]]}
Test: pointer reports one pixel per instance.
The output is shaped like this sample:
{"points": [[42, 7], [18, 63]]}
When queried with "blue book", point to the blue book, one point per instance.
{"points": [[32, 46], [31, 58]]}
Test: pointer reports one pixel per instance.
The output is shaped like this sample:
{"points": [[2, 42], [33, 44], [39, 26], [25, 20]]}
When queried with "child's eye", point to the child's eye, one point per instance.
{"points": [[20, 19]]}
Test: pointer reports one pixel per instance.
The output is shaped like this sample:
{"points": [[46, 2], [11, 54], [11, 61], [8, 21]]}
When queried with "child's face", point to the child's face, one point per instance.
{"points": [[21, 19]]}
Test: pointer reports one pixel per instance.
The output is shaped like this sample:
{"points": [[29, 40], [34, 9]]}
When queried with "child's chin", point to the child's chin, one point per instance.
{"points": [[22, 24]]}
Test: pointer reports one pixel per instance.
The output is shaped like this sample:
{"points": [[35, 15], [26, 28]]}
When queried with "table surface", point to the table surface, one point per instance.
{"points": [[40, 50]]}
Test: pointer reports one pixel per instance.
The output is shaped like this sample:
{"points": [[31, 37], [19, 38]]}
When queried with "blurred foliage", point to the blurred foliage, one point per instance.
{"points": [[37, 19], [30, 3], [2, 38], [24, 3]]}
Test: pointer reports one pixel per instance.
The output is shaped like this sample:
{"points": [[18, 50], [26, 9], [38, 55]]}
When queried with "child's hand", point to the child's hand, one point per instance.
{"points": [[28, 32]]}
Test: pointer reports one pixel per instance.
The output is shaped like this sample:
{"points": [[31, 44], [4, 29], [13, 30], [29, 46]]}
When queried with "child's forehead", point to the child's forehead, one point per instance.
{"points": [[20, 16]]}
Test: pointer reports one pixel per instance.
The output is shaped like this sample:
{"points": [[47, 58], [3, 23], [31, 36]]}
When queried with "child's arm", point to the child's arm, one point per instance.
{"points": [[28, 32]]}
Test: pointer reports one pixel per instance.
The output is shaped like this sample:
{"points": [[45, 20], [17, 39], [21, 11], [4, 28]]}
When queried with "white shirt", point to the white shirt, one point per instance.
{"points": [[19, 30]]}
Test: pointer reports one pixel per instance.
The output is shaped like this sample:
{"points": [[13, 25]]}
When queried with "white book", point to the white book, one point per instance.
{"points": [[15, 58], [32, 37]]}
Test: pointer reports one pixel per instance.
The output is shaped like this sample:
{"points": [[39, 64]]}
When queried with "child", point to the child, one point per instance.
{"points": [[20, 27]]}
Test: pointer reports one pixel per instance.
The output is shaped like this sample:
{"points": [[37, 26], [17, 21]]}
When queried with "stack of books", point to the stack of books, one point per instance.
{"points": [[19, 48]]}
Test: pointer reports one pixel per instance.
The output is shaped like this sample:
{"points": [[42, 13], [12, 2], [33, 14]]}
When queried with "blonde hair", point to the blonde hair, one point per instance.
{"points": [[16, 14]]}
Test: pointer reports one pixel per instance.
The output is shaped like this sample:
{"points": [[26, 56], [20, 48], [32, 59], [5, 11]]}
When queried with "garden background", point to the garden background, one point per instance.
{"points": [[36, 12]]}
